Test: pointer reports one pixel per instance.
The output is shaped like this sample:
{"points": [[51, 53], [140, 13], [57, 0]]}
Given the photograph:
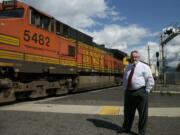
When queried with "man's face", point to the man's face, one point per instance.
{"points": [[135, 57]]}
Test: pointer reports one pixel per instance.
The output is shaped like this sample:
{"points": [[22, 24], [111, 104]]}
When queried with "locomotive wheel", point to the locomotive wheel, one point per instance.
{"points": [[75, 85], [7, 96], [62, 90], [38, 93]]}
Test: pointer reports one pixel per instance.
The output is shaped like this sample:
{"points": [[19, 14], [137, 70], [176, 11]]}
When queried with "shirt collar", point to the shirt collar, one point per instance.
{"points": [[134, 64]]}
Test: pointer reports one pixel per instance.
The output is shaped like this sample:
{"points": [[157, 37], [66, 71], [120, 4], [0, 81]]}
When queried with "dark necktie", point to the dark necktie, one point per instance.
{"points": [[130, 77]]}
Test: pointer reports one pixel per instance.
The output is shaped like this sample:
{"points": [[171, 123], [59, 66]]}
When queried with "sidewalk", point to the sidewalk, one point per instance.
{"points": [[167, 89]]}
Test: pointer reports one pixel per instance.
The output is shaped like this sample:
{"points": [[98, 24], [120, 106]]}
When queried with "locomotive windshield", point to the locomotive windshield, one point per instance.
{"points": [[17, 13]]}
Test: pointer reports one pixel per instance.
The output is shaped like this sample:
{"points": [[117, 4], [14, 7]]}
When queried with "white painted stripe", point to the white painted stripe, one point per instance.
{"points": [[168, 112], [80, 109], [86, 109]]}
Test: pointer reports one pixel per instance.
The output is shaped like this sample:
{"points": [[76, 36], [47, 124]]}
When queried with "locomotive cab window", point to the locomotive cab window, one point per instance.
{"points": [[65, 30], [71, 51], [58, 27], [16, 13], [40, 20], [62, 29]]}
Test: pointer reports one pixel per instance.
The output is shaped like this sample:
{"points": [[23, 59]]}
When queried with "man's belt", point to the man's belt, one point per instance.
{"points": [[143, 87]]}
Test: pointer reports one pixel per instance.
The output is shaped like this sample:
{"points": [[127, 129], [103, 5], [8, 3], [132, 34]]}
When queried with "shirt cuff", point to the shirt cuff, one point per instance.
{"points": [[148, 90]]}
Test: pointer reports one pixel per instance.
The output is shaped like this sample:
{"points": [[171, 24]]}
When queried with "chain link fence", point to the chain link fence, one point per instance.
{"points": [[170, 82], [172, 78]]}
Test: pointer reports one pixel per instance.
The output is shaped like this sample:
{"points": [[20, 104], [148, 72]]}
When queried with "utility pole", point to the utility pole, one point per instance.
{"points": [[149, 56]]}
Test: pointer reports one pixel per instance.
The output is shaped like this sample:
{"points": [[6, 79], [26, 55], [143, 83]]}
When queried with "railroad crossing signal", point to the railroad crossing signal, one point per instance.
{"points": [[168, 34]]}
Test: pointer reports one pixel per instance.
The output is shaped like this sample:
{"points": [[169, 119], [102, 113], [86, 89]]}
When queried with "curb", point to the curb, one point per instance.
{"points": [[166, 92]]}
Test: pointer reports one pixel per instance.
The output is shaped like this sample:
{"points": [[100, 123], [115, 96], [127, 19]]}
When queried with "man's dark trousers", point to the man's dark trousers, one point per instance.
{"points": [[137, 99]]}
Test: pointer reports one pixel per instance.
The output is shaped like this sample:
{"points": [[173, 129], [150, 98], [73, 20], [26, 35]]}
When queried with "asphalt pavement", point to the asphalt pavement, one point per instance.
{"points": [[88, 113]]}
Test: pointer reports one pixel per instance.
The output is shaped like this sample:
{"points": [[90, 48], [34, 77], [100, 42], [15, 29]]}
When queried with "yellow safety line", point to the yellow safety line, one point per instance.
{"points": [[109, 110]]}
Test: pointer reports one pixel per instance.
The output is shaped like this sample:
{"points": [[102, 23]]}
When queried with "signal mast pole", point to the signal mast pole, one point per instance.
{"points": [[167, 35], [149, 56]]}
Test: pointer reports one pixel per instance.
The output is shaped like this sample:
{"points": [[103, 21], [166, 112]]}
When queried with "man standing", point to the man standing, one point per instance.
{"points": [[137, 82]]}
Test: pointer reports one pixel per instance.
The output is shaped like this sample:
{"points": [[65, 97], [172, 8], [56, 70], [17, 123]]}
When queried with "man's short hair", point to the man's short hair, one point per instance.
{"points": [[134, 51]]}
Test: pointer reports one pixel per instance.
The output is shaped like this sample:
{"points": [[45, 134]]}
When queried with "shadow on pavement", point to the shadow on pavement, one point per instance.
{"points": [[108, 125]]}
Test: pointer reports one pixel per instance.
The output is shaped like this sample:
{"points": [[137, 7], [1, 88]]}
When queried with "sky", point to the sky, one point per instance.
{"points": [[121, 24]]}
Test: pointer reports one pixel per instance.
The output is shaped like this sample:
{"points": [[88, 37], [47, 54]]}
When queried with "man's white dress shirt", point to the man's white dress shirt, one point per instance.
{"points": [[142, 77]]}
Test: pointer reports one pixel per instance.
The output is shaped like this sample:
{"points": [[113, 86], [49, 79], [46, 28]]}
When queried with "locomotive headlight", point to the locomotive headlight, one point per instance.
{"points": [[9, 3]]}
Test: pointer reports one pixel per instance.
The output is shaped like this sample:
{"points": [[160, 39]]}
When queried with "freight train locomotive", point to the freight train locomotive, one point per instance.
{"points": [[40, 56]]}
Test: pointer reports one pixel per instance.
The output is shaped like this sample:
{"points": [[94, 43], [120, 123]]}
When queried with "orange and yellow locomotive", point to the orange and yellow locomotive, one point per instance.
{"points": [[42, 56]]}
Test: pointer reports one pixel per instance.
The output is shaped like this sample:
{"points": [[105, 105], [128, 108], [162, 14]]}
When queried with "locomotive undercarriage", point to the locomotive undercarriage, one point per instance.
{"points": [[32, 85], [28, 85], [35, 80]]}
